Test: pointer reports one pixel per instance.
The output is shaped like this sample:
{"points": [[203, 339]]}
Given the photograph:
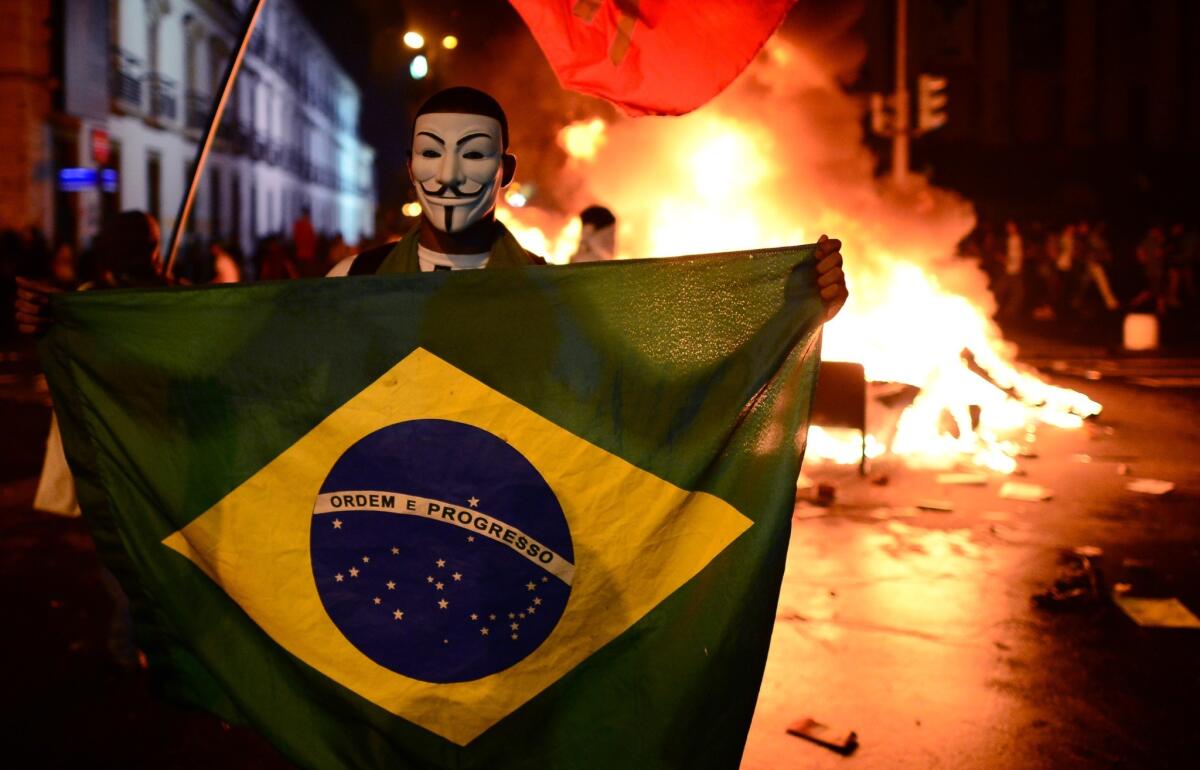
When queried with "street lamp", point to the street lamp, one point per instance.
{"points": [[414, 40], [418, 67], [449, 42]]}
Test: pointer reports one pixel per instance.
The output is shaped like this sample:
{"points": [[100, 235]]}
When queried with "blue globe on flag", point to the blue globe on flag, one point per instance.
{"points": [[440, 552]]}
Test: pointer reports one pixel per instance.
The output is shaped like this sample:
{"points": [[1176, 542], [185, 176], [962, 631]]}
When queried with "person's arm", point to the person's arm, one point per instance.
{"points": [[341, 268], [32, 305], [831, 280]]}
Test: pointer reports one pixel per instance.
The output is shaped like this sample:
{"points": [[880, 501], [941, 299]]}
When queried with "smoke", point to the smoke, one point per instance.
{"points": [[780, 158]]}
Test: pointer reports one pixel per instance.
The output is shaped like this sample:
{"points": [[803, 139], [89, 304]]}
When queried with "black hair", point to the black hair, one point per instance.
{"points": [[467, 100], [126, 248], [597, 216]]}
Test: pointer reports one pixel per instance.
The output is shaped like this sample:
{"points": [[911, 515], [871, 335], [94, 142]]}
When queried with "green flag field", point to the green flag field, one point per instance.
{"points": [[522, 518]]}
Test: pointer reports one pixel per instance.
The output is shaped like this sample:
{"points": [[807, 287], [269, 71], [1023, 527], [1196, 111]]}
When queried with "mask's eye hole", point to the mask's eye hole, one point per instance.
{"points": [[473, 155], [430, 154]]}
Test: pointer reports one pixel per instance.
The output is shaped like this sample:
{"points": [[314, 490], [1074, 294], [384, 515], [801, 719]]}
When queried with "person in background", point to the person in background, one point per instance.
{"points": [[597, 236], [225, 267], [1151, 253], [273, 261], [1010, 292], [1064, 264], [127, 255], [62, 266], [338, 250], [1040, 267], [304, 242], [1181, 266], [1095, 255]]}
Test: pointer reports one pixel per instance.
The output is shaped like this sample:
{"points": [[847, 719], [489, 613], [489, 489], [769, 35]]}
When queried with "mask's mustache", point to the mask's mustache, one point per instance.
{"points": [[454, 191]]}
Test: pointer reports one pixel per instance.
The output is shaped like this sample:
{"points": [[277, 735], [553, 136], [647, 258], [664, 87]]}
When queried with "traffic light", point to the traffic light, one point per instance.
{"points": [[931, 102], [883, 117]]}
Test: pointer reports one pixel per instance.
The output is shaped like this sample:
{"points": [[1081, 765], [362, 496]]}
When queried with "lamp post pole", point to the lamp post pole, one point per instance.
{"points": [[900, 135]]}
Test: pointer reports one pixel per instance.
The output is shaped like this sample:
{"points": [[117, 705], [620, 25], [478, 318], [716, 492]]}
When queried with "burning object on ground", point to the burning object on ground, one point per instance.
{"points": [[778, 159], [1080, 582]]}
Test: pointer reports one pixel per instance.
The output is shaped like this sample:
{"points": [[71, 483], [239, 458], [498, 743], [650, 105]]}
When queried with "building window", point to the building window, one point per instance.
{"points": [[216, 228], [154, 184]]}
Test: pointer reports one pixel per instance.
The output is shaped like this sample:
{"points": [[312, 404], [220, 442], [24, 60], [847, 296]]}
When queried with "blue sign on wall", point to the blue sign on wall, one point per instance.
{"points": [[77, 179]]}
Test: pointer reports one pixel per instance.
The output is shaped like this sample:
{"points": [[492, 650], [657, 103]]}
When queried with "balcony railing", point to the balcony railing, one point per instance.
{"points": [[236, 135], [163, 102], [198, 111], [126, 82]]}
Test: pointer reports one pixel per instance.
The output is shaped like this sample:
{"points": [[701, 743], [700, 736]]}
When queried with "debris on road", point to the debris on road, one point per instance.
{"points": [[1150, 486], [1080, 582], [1156, 613], [1030, 493], [843, 742], [962, 479], [806, 511], [887, 514]]}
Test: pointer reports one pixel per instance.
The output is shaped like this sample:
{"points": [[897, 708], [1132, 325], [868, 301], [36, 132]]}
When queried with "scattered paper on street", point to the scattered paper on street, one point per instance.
{"points": [[1157, 613], [962, 479], [1150, 486], [1019, 490]]}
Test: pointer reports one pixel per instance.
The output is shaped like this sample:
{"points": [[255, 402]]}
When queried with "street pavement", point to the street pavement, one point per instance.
{"points": [[913, 628]]}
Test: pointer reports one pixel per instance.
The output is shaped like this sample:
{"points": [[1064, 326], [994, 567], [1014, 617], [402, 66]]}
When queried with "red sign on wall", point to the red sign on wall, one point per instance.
{"points": [[101, 149]]}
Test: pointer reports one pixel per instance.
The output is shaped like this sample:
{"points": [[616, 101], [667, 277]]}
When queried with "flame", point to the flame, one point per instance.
{"points": [[583, 139], [778, 159]]}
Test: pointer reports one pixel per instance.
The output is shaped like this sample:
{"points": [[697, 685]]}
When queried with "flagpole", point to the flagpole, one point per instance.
{"points": [[210, 133]]}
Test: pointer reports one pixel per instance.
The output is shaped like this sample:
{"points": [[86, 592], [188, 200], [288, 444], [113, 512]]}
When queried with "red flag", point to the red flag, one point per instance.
{"points": [[651, 57]]}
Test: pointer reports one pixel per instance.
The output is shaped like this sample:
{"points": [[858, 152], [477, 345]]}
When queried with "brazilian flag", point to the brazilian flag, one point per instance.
{"points": [[533, 517]]}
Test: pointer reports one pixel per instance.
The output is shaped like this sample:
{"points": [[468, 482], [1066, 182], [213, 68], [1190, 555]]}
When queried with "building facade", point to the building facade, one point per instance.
{"points": [[25, 110], [288, 142]]}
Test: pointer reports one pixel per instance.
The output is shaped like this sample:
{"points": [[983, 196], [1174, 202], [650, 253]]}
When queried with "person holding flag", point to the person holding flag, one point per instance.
{"points": [[459, 163], [508, 518]]}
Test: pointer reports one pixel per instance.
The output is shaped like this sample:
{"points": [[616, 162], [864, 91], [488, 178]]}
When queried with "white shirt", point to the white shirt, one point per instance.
{"points": [[430, 260]]}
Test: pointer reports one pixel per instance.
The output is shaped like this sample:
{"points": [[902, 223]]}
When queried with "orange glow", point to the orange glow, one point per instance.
{"points": [[583, 139], [778, 159]]}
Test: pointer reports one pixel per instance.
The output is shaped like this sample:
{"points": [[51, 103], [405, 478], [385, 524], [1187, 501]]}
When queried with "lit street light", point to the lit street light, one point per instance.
{"points": [[449, 42], [419, 67], [414, 40]]}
